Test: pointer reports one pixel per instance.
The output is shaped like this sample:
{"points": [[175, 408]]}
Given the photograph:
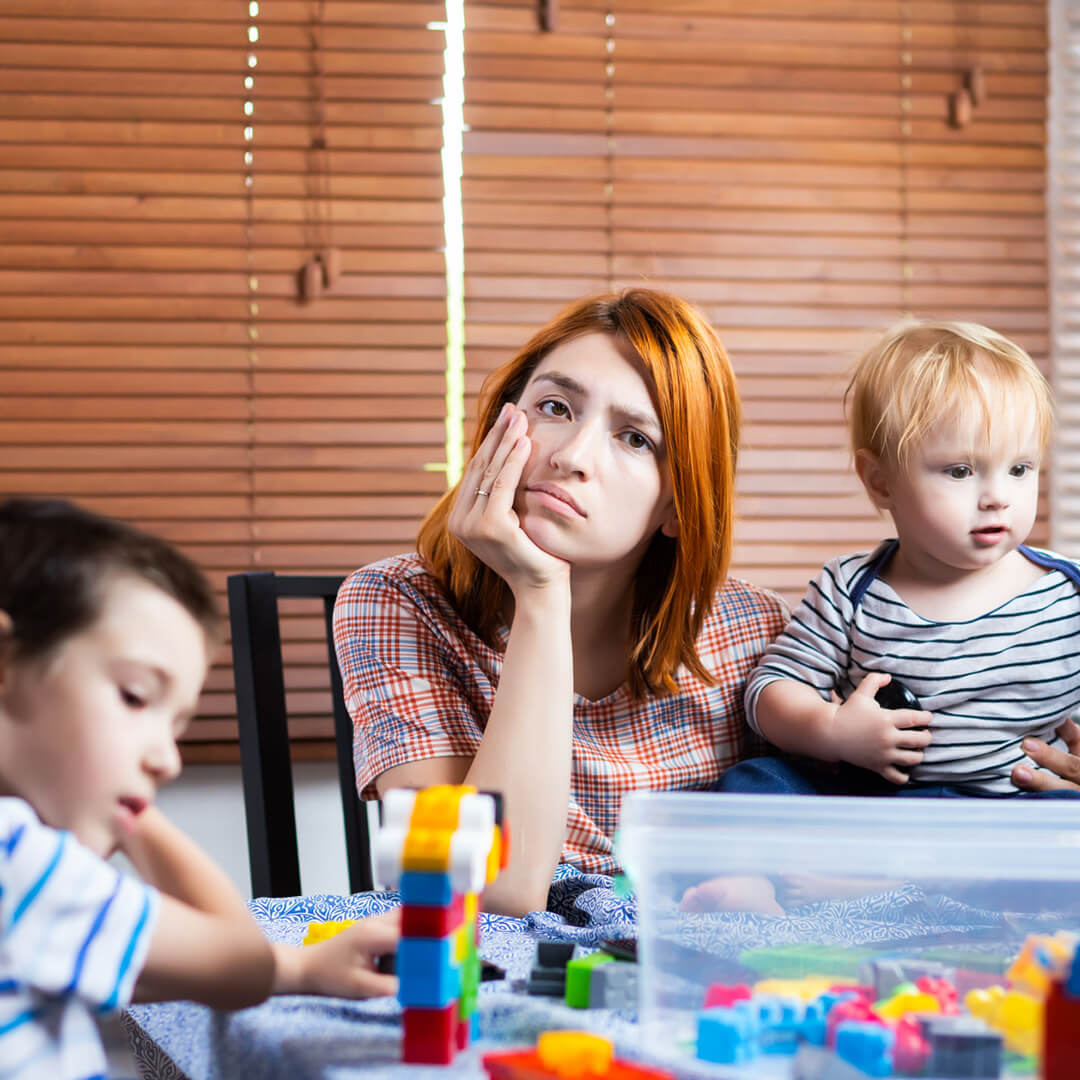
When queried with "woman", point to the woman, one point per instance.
{"points": [[567, 632]]}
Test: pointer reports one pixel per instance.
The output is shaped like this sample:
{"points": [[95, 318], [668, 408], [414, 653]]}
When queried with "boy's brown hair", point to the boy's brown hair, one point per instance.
{"points": [[55, 562]]}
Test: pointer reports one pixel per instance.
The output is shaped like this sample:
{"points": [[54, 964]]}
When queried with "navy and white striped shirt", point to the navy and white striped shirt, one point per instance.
{"points": [[74, 933], [989, 682]]}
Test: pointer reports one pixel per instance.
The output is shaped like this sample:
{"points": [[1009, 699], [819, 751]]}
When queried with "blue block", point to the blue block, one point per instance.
{"points": [[419, 887], [812, 1027], [866, 1046], [780, 1019], [726, 1036], [1072, 983], [427, 977]]}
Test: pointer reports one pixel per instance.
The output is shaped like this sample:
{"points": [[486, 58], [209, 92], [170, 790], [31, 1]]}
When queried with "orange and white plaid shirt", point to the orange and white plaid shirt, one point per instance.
{"points": [[420, 684]]}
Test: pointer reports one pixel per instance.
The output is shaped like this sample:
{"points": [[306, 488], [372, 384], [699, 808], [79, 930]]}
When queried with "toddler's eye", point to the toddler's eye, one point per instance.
{"points": [[958, 472], [1020, 470], [132, 699]]}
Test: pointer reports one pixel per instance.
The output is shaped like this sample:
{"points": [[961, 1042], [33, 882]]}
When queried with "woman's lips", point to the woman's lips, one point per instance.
{"points": [[554, 495]]}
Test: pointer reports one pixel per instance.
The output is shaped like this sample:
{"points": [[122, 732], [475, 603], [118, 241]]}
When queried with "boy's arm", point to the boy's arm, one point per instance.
{"points": [[794, 717], [205, 947]]}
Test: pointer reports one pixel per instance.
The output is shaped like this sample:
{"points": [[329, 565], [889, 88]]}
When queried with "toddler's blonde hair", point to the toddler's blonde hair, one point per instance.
{"points": [[922, 371]]}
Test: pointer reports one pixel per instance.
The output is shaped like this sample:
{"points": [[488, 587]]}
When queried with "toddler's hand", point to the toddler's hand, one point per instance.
{"points": [[885, 741]]}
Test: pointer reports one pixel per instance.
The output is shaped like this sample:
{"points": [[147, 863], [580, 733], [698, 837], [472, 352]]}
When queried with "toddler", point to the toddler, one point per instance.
{"points": [[949, 424], [105, 638]]}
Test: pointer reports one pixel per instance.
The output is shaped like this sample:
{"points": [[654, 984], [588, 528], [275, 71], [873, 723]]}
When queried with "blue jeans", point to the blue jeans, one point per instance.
{"points": [[783, 776]]}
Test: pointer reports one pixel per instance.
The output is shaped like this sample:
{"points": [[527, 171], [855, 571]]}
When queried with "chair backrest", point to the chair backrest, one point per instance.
{"points": [[264, 736]]}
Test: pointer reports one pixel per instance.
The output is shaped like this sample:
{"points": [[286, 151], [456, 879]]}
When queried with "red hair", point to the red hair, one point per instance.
{"points": [[699, 413]]}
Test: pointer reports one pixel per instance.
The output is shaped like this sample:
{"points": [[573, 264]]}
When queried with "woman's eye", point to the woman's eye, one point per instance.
{"points": [[958, 472], [550, 407], [636, 441]]}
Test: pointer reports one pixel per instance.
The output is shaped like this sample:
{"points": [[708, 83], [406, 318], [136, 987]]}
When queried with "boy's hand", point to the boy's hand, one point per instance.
{"points": [[344, 965], [885, 741]]}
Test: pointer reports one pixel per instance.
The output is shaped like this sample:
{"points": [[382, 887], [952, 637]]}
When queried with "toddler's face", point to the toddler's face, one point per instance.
{"points": [[963, 500], [88, 732]]}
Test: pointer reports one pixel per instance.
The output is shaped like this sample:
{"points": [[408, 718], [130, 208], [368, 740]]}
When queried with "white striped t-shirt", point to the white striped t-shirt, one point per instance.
{"points": [[989, 681], [74, 932]]}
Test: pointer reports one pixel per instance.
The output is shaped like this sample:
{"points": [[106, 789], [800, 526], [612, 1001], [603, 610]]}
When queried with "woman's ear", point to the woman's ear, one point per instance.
{"points": [[669, 527], [875, 478]]}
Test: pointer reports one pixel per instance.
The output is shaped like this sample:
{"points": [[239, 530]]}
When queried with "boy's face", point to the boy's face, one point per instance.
{"points": [[962, 501], [88, 732]]}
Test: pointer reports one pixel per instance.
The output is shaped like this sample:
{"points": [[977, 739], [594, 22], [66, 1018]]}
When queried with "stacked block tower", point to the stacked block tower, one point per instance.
{"points": [[440, 846]]}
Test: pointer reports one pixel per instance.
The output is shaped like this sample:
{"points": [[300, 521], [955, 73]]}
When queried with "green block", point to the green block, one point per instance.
{"points": [[795, 961], [578, 973]]}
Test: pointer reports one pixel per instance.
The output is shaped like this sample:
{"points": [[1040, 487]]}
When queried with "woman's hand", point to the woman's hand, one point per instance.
{"points": [[1058, 769], [483, 517]]}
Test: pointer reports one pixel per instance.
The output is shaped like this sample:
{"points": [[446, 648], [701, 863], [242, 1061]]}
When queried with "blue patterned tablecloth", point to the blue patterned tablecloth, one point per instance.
{"points": [[296, 1038], [310, 1038]]}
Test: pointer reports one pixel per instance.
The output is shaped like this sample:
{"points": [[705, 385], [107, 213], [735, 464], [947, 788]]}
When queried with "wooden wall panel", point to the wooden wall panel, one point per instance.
{"points": [[155, 359], [791, 169]]}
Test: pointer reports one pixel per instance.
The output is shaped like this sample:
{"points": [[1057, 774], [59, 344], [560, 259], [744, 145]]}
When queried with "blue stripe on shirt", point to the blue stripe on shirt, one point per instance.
{"points": [[129, 955], [80, 957], [38, 885]]}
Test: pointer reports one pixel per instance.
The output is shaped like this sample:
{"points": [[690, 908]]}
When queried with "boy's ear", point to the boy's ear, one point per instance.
{"points": [[874, 477], [7, 646]]}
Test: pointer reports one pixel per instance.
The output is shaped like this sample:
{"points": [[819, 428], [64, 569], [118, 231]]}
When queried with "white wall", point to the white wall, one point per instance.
{"points": [[207, 802]]}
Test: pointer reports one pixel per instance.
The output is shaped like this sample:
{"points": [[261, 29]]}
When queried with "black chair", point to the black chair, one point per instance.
{"points": [[264, 738]]}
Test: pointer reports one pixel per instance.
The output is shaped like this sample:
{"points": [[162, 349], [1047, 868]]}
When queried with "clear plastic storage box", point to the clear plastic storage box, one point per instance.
{"points": [[804, 901]]}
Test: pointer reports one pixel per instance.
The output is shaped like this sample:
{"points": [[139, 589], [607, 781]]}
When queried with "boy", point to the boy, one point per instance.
{"points": [[949, 423], [105, 638]]}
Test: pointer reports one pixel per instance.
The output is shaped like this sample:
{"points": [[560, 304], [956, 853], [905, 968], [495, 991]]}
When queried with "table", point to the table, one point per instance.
{"points": [[296, 1038]]}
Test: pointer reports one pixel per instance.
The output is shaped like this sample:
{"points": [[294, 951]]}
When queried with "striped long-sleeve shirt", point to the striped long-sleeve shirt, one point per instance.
{"points": [[989, 682], [74, 932]]}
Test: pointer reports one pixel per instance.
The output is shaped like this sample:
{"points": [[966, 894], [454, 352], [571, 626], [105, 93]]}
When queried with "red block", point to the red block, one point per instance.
{"points": [[1061, 1034], [721, 995], [430, 1035], [419, 920]]}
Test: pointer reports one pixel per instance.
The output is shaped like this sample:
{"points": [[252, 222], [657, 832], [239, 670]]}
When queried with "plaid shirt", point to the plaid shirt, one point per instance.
{"points": [[420, 684]]}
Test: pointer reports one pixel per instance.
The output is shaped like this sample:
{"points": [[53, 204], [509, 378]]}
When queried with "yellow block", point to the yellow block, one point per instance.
{"points": [[572, 1055], [806, 988], [320, 931], [427, 850], [901, 1004], [437, 807], [491, 871]]}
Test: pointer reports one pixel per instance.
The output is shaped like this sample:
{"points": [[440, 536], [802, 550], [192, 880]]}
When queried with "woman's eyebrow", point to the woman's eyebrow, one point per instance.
{"points": [[564, 382]]}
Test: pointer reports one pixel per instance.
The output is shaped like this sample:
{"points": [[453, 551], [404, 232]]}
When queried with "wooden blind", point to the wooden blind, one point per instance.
{"points": [[1064, 183], [789, 167], [155, 360]]}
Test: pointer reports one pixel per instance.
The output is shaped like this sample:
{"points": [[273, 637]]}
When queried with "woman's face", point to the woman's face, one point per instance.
{"points": [[597, 485]]}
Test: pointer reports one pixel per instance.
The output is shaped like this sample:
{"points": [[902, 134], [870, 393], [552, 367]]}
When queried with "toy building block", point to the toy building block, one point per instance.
{"points": [[1061, 1025], [578, 972], [430, 1035], [961, 1046], [727, 1036], [567, 1055], [865, 1045], [721, 995], [613, 986], [885, 974], [321, 931], [548, 975]]}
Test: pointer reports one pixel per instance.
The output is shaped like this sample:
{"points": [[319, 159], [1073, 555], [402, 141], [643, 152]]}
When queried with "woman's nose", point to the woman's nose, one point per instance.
{"points": [[576, 451]]}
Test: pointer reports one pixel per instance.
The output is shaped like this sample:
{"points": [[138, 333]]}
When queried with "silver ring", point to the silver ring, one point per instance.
{"points": [[481, 491]]}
